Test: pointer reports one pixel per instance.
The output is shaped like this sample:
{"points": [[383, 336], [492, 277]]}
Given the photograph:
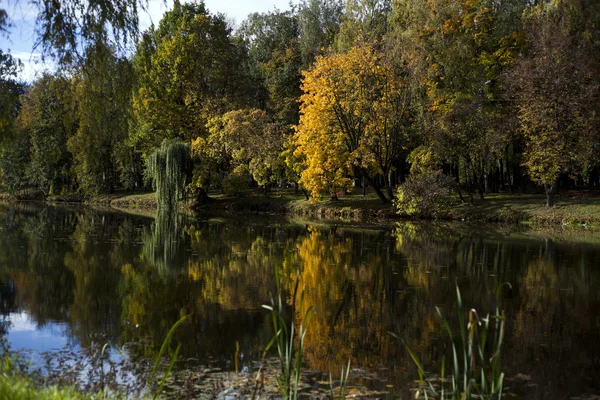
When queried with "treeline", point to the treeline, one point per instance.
{"points": [[474, 95]]}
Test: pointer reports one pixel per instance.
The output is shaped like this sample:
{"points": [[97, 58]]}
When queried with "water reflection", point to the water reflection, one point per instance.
{"points": [[131, 278]]}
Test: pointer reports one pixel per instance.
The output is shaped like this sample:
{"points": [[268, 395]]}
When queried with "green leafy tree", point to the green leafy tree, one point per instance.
{"points": [[319, 24], [167, 168], [64, 29], [557, 90], [363, 20], [457, 51], [14, 144], [103, 94], [275, 62], [10, 90], [253, 142], [48, 117], [189, 70]]}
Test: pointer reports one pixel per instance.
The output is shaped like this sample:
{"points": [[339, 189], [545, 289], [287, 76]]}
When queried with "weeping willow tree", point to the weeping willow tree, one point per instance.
{"points": [[168, 168]]}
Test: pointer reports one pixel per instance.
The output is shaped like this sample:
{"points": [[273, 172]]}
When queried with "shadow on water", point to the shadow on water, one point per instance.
{"points": [[130, 278]]}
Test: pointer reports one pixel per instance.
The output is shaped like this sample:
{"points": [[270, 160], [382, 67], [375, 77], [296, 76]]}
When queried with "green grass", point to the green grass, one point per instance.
{"points": [[14, 387], [530, 209], [527, 209]]}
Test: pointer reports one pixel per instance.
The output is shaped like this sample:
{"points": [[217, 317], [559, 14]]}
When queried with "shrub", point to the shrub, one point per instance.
{"points": [[424, 194]]}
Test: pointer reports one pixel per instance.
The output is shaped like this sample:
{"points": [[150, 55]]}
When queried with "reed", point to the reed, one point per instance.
{"points": [[476, 370], [163, 348], [288, 343], [343, 384]]}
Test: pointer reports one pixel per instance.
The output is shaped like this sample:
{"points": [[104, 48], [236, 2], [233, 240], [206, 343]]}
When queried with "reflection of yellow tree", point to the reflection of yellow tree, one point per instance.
{"points": [[351, 306], [236, 274]]}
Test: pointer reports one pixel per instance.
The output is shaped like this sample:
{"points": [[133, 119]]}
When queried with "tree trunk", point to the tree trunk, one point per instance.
{"points": [[202, 197], [375, 186], [306, 194], [478, 180], [468, 179], [550, 190], [388, 186], [462, 199], [364, 186], [502, 182], [486, 181]]}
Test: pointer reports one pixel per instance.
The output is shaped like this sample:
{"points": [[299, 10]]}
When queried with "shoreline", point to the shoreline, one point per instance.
{"points": [[577, 209]]}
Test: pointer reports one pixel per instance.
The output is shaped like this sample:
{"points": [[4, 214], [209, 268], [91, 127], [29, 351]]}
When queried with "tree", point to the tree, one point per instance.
{"points": [[557, 91], [355, 113], [168, 169], [252, 141], [275, 62], [319, 23], [457, 51], [363, 20], [10, 90], [65, 28], [48, 117], [103, 95], [189, 70], [14, 150]]}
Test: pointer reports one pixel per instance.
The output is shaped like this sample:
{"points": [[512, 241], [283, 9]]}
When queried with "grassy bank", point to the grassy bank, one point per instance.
{"points": [[570, 209], [353, 207], [574, 209]]}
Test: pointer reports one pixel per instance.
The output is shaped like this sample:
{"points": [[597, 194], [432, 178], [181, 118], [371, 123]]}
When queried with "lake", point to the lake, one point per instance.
{"points": [[68, 275]]}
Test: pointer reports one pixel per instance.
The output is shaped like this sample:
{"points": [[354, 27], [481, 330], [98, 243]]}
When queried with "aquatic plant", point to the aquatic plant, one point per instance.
{"points": [[343, 383], [480, 375], [289, 351], [163, 348]]}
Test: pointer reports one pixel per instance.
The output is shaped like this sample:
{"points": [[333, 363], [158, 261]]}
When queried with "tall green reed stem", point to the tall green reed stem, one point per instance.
{"points": [[163, 348], [476, 355], [289, 344]]}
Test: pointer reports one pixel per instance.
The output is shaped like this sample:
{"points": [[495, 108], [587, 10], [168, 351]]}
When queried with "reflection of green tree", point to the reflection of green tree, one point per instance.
{"points": [[229, 276], [30, 260], [95, 307], [551, 282], [164, 243], [8, 303]]}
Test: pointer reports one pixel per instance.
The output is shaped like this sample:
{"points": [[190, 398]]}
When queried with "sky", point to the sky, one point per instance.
{"points": [[21, 38]]}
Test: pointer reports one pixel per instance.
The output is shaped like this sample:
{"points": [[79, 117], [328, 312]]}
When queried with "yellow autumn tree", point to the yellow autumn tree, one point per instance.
{"points": [[355, 117]]}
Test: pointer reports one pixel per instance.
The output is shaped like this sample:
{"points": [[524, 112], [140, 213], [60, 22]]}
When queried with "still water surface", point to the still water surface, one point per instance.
{"points": [[67, 274]]}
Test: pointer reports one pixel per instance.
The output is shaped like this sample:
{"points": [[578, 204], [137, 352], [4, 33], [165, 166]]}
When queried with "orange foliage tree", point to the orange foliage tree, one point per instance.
{"points": [[355, 116]]}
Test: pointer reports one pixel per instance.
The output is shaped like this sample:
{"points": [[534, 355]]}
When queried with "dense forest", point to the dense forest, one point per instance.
{"points": [[473, 96]]}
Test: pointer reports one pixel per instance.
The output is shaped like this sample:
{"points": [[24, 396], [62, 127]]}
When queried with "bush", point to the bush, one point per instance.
{"points": [[425, 194]]}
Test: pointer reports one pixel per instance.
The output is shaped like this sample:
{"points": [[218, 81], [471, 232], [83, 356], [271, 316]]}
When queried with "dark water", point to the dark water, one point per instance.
{"points": [[69, 274]]}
